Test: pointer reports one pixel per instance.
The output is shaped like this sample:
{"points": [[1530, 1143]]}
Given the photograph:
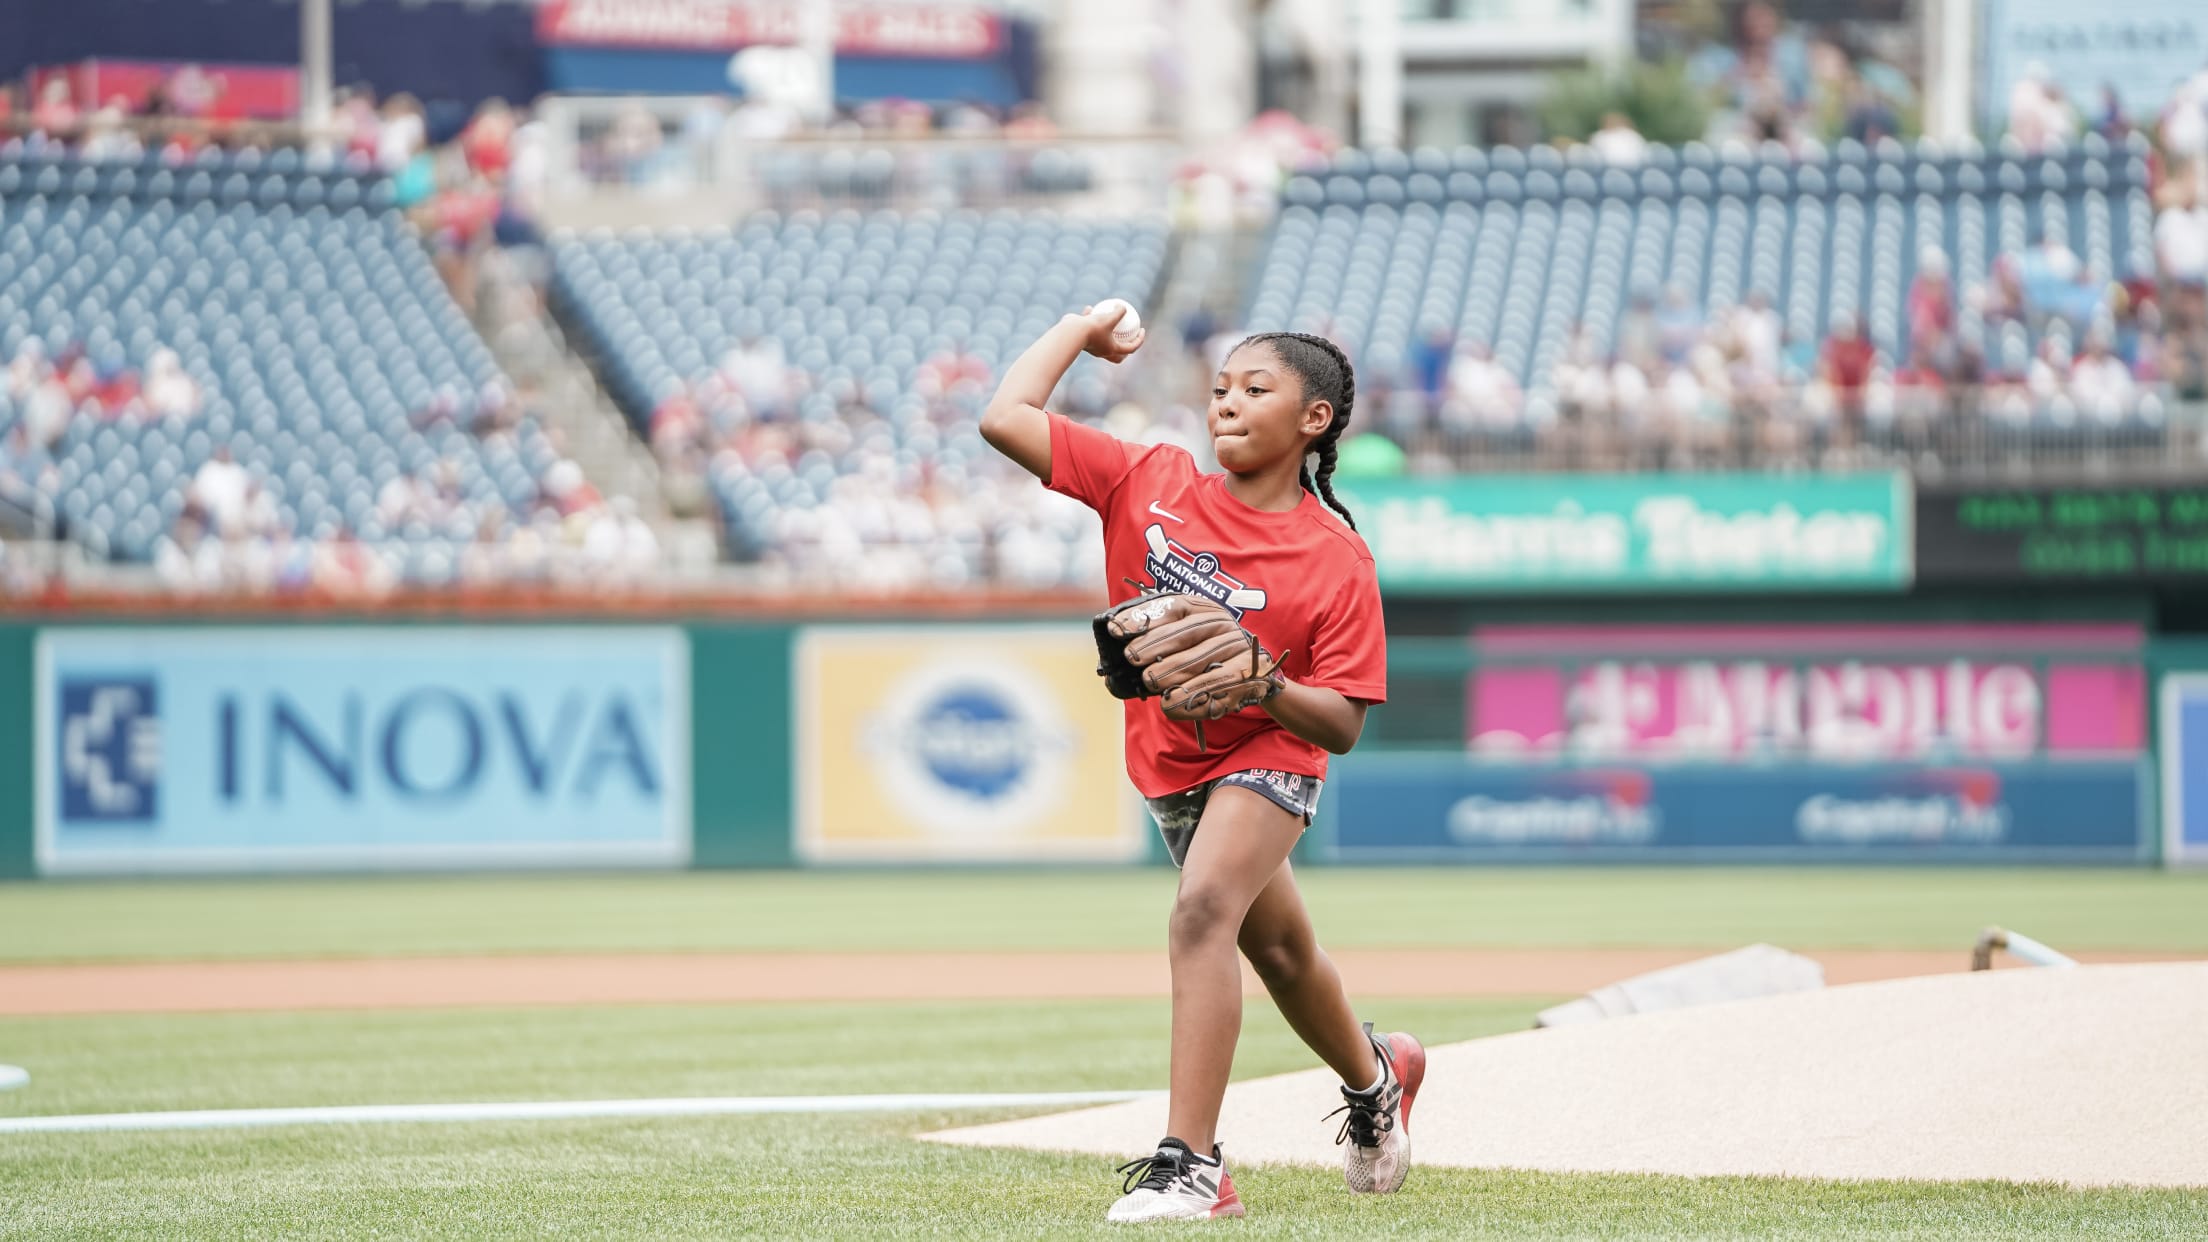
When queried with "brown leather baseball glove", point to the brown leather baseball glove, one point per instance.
{"points": [[1188, 651]]}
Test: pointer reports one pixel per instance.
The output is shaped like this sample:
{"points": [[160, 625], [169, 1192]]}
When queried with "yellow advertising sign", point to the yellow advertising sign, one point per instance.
{"points": [[959, 743]]}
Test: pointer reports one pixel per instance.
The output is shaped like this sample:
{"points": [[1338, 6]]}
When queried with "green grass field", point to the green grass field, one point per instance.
{"points": [[863, 1175], [1120, 909]]}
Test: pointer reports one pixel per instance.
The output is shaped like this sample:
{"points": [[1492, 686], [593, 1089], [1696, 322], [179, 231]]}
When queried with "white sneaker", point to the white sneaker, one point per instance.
{"points": [[1378, 1127], [1176, 1184]]}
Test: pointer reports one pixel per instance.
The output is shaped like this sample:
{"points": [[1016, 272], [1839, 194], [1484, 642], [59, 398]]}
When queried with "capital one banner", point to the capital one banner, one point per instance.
{"points": [[1412, 808], [1565, 532], [168, 749]]}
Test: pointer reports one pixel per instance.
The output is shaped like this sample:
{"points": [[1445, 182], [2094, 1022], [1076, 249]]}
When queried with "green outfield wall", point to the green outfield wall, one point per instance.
{"points": [[171, 747]]}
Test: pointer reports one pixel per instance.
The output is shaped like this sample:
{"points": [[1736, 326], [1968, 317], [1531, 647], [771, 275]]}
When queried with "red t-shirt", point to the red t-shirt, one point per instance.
{"points": [[1302, 581], [1850, 361]]}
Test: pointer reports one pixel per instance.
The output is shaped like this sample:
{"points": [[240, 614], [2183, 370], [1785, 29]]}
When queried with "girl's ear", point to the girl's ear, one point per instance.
{"points": [[1317, 417]]}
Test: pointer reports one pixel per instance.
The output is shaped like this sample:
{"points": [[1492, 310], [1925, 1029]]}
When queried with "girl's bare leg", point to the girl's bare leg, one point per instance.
{"points": [[1277, 938], [1238, 848]]}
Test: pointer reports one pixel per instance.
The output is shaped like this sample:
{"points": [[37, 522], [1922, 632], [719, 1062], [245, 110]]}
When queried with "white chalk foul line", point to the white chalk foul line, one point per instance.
{"points": [[13, 1076], [549, 1110]]}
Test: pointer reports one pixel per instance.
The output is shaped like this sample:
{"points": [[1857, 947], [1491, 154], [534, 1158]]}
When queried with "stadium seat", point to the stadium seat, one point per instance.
{"points": [[866, 302], [1529, 247], [236, 275]]}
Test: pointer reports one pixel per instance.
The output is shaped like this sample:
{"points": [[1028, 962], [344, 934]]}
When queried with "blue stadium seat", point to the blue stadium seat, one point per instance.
{"points": [[1528, 247], [864, 301], [231, 277]]}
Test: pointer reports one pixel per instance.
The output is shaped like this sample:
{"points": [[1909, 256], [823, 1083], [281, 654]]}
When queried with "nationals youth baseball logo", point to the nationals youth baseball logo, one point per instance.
{"points": [[1173, 567]]}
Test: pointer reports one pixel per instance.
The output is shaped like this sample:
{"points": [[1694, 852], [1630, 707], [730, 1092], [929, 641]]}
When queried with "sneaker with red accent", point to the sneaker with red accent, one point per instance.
{"points": [[1377, 1130], [1176, 1184]]}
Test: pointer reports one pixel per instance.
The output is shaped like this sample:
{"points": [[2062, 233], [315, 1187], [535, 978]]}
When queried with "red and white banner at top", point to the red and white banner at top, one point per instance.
{"points": [[888, 29]]}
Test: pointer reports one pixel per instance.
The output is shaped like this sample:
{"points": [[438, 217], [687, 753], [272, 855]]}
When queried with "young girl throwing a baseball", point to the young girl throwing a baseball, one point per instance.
{"points": [[1256, 539]]}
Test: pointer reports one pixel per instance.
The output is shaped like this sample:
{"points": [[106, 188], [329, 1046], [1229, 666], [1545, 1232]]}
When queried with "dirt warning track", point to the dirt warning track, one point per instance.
{"points": [[723, 978]]}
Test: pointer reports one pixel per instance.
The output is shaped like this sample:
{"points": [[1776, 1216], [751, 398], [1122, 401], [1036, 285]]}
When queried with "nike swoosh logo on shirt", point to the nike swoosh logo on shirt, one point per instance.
{"points": [[1158, 509]]}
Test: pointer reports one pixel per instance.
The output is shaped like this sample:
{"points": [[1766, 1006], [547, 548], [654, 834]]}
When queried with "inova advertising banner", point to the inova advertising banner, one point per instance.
{"points": [[170, 749], [1564, 532], [1413, 808], [959, 743]]}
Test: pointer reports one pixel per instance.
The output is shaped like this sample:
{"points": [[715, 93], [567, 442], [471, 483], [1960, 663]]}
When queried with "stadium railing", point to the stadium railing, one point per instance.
{"points": [[1959, 433]]}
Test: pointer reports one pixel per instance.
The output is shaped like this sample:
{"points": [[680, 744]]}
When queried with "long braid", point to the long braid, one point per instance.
{"points": [[1328, 376]]}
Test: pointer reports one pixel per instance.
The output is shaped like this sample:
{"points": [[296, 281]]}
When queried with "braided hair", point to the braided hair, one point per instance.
{"points": [[1326, 376]]}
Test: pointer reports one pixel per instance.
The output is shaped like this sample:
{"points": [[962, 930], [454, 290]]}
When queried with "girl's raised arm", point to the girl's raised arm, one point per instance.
{"points": [[1015, 424]]}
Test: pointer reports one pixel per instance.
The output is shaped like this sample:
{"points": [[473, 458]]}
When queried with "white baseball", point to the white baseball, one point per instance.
{"points": [[1129, 328]]}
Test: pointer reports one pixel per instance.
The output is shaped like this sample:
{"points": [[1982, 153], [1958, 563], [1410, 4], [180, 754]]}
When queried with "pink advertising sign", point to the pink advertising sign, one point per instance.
{"points": [[1831, 692]]}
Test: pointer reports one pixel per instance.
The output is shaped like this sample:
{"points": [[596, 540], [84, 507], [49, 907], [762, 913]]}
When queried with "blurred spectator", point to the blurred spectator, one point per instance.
{"points": [[345, 568], [40, 394], [1869, 117], [1846, 365], [1637, 336], [953, 370], [219, 490], [459, 221], [528, 170], [567, 489], [56, 112], [760, 373], [2003, 292], [106, 137], [632, 144], [401, 134], [1482, 394], [1430, 361], [185, 560], [2039, 115], [1678, 326], [1920, 389], [487, 141], [1756, 329], [1931, 305], [2047, 378], [1618, 142], [2109, 120], [1764, 70], [356, 124], [168, 389], [2100, 383], [2184, 130], [2046, 272], [2181, 244], [621, 543]]}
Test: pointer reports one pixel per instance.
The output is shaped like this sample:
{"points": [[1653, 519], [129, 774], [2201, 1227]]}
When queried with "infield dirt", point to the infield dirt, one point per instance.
{"points": [[706, 978]]}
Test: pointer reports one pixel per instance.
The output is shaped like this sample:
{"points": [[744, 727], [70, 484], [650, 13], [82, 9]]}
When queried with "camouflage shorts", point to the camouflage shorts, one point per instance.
{"points": [[1179, 813]]}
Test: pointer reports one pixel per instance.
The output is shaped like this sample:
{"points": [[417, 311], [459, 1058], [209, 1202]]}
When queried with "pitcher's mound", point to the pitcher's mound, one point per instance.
{"points": [[2090, 1076]]}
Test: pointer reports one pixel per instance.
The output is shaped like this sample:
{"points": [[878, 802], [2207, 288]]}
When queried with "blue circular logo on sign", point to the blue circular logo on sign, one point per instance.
{"points": [[972, 740], [1206, 563]]}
